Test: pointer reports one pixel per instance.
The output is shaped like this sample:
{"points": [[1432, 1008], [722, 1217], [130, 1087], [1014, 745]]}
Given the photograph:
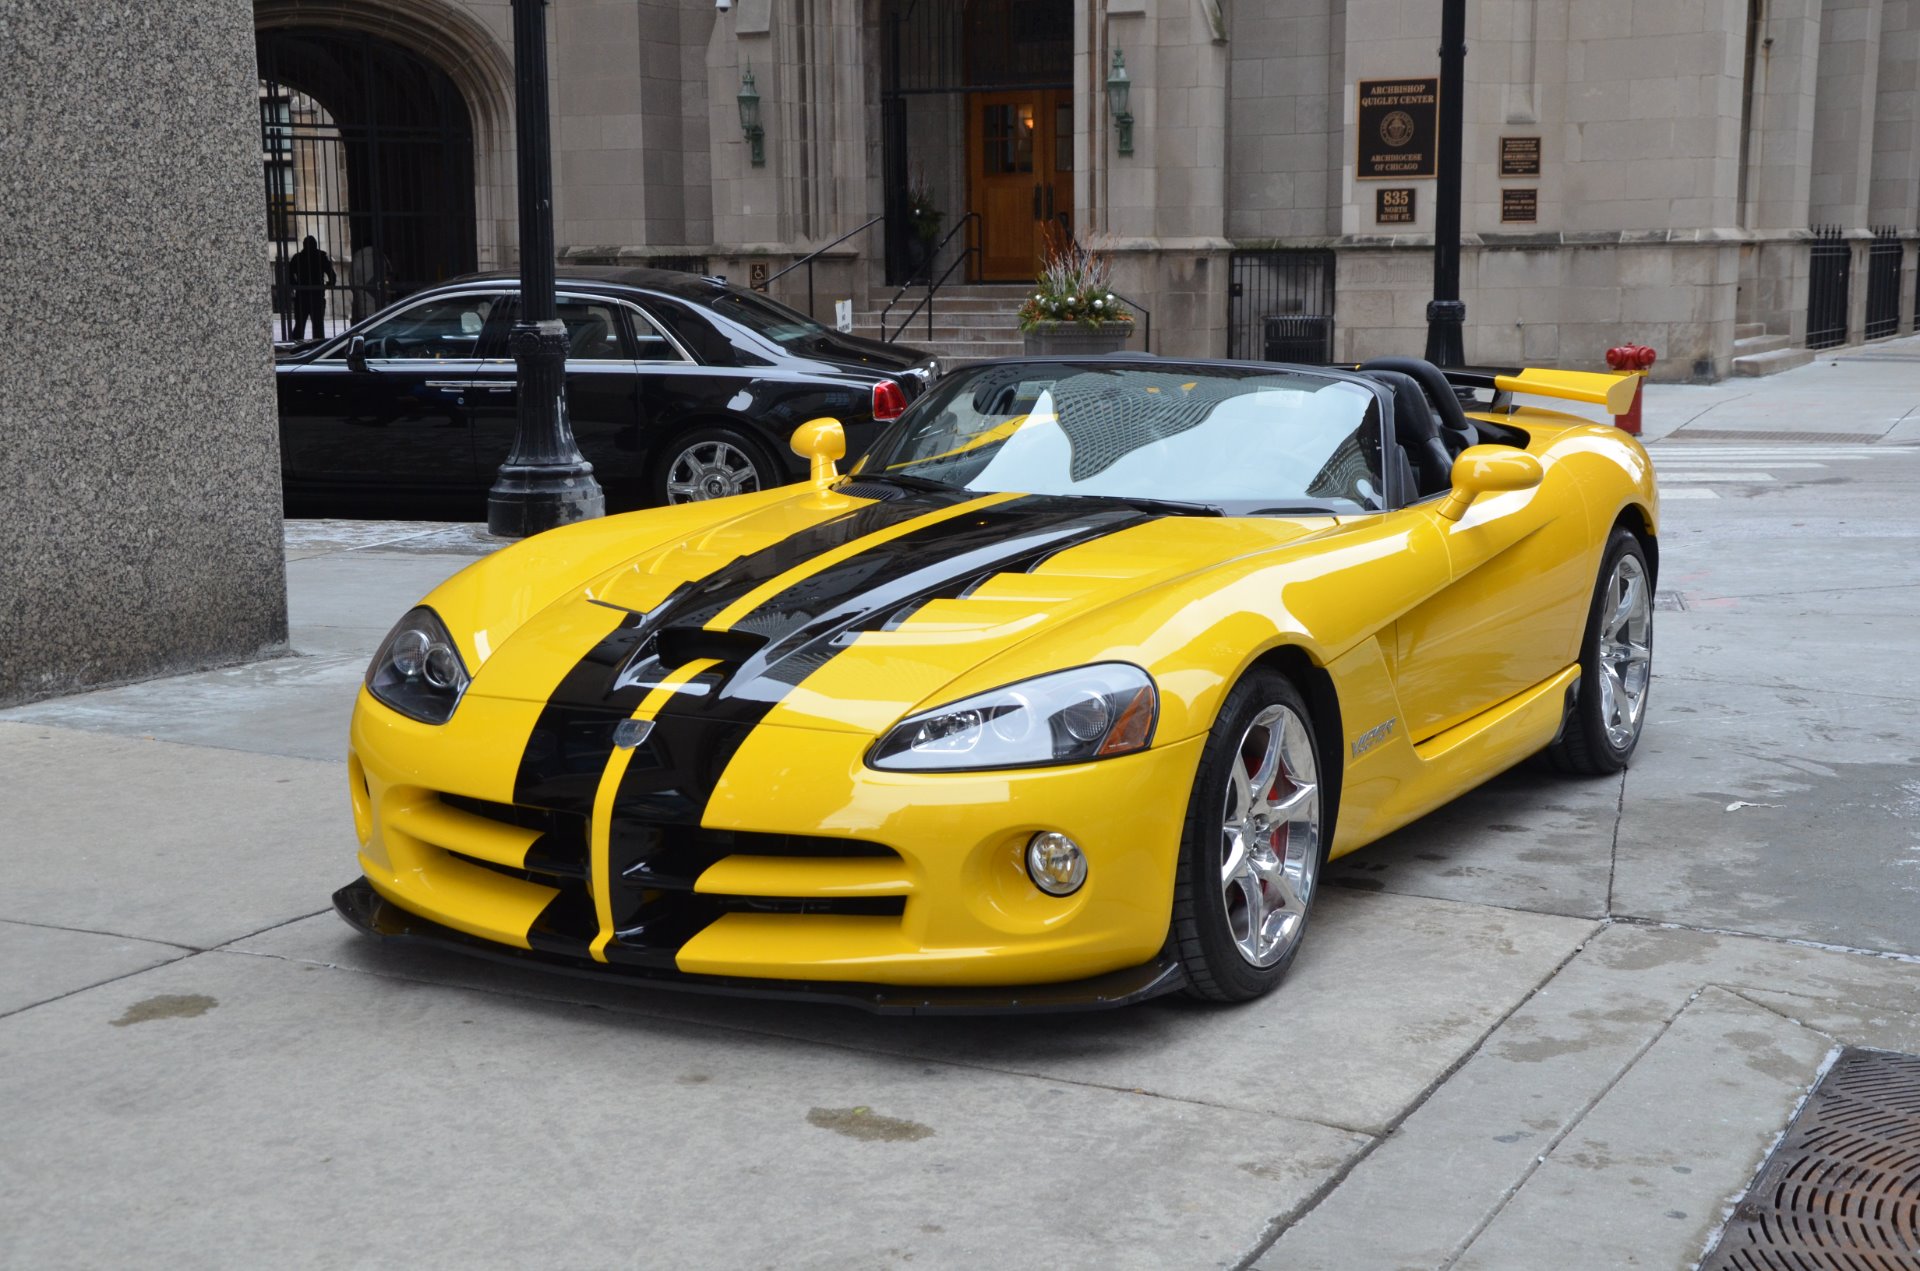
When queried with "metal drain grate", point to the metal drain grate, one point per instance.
{"points": [[1842, 1190]]}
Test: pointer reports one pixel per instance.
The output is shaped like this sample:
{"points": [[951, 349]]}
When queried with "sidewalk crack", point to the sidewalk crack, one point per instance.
{"points": [[1540, 1158], [1280, 1225]]}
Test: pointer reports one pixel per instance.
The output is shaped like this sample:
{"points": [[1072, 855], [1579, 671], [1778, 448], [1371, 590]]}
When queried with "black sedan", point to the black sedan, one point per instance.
{"points": [[679, 388]]}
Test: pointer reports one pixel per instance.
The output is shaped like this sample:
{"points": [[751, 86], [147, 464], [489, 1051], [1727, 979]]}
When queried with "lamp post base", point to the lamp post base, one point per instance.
{"points": [[545, 482], [526, 500]]}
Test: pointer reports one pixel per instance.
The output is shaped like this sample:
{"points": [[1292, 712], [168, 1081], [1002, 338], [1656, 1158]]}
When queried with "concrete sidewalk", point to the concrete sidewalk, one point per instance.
{"points": [[1557, 1024]]}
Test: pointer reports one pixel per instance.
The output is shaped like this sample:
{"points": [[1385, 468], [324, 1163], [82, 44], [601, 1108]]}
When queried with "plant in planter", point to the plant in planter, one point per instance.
{"points": [[1073, 309], [923, 223]]}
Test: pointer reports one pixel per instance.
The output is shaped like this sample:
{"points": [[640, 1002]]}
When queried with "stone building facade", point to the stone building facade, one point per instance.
{"points": [[1727, 180]]}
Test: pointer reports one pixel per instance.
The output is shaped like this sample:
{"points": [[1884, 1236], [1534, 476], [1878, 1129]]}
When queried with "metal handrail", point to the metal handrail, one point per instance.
{"points": [[807, 259], [933, 284], [1146, 337]]}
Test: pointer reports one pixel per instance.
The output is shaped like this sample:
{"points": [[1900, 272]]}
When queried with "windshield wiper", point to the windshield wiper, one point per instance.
{"points": [[1172, 507], [1297, 509], [906, 482]]}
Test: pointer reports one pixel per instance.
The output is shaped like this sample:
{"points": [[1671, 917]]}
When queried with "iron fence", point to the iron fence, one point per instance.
{"points": [[1883, 284], [367, 149], [1280, 305], [1829, 279]]}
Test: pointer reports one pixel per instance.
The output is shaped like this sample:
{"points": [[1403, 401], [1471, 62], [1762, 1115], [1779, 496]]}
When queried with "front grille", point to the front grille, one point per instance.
{"points": [[653, 868], [560, 852]]}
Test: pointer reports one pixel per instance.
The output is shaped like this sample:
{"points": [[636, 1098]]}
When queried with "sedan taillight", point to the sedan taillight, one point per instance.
{"points": [[889, 401]]}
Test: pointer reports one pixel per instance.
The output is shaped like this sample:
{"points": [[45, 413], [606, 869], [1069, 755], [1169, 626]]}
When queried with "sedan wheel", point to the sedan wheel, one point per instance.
{"points": [[1250, 861], [713, 463]]}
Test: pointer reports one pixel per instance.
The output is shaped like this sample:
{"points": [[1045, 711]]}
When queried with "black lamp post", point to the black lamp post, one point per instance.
{"points": [[1446, 313], [545, 481]]}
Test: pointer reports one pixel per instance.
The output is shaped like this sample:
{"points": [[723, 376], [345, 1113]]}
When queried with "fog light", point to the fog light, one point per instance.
{"points": [[1056, 864]]}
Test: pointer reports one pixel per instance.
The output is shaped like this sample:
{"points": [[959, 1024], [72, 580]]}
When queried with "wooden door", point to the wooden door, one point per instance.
{"points": [[1020, 146]]}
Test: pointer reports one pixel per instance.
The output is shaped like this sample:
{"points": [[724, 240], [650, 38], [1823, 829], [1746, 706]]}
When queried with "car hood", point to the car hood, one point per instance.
{"points": [[835, 612]]}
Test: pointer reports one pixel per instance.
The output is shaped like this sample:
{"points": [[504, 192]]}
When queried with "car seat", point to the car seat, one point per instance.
{"points": [[1429, 464], [1457, 432]]}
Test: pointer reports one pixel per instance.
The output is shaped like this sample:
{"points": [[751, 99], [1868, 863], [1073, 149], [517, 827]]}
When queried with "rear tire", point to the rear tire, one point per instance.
{"points": [[713, 463], [1616, 666], [1254, 843]]}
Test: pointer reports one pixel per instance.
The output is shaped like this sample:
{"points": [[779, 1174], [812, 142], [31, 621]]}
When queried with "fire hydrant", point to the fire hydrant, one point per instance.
{"points": [[1635, 358]]}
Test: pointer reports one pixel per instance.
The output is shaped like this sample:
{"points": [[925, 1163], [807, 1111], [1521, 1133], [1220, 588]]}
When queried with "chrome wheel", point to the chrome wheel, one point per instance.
{"points": [[1270, 839], [710, 470], [1626, 651]]}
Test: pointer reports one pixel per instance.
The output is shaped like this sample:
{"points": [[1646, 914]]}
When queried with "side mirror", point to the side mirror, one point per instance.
{"points": [[1487, 470], [822, 441], [357, 353]]}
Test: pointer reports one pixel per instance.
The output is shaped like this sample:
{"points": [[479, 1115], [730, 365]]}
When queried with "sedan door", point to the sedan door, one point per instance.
{"points": [[403, 419], [603, 392]]}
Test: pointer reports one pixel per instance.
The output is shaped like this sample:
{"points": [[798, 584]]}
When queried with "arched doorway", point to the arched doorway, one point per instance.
{"points": [[368, 148]]}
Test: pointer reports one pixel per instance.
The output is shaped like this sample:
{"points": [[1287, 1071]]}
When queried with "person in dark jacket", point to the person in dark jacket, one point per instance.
{"points": [[311, 273]]}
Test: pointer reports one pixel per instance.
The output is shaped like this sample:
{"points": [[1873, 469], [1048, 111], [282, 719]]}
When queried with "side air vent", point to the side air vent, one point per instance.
{"points": [[680, 645], [876, 490]]}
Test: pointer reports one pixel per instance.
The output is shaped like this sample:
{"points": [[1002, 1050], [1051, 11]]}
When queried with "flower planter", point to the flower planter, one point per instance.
{"points": [[1071, 339]]}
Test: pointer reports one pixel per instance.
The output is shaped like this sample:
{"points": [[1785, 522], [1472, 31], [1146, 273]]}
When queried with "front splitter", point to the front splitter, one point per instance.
{"points": [[371, 913]]}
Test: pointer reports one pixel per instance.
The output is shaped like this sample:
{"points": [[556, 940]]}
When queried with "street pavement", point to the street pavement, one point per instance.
{"points": [[1557, 1024]]}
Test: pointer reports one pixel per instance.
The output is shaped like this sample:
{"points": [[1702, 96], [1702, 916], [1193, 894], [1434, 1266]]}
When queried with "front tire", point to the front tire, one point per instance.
{"points": [[713, 463], [1254, 844], [1616, 666]]}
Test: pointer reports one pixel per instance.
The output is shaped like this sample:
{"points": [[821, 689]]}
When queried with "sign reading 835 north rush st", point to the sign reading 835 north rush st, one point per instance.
{"points": [[1398, 129]]}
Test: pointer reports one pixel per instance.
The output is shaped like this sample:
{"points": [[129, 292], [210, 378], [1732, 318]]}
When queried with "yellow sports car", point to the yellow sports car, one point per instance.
{"points": [[1062, 697]]}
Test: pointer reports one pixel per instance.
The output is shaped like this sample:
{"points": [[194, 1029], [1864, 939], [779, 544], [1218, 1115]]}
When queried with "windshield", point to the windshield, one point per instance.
{"points": [[1244, 439], [768, 318]]}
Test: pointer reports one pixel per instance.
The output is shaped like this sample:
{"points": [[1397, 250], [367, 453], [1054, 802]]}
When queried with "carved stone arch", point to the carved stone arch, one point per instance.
{"points": [[480, 66]]}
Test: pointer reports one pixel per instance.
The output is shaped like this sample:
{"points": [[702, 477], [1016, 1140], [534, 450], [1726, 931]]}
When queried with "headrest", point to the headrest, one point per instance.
{"points": [[1446, 403]]}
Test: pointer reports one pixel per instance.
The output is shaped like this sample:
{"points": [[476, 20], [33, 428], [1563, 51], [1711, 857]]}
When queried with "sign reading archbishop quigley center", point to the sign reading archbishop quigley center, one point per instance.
{"points": [[1399, 129]]}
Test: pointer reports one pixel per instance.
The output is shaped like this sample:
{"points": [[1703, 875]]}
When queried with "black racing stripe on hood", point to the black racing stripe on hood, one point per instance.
{"points": [[708, 598], [571, 741], [696, 733]]}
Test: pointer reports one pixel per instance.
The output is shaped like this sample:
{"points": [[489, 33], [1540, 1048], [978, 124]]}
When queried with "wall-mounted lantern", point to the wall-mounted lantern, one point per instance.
{"points": [[750, 118], [1119, 97]]}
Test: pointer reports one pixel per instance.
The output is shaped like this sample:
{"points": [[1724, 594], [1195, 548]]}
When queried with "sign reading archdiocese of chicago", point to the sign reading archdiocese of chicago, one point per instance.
{"points": [[1399, 129], [1519, 156], [1520, 205], [1393, 206]]}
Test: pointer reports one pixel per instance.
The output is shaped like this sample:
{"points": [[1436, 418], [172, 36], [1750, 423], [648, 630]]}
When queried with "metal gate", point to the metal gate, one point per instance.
{"points": [[1280, 306], [367, 149], [1883, 284], [1829, 278]]}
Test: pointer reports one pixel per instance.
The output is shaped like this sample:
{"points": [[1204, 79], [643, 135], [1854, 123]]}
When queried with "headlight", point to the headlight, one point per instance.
{"points": [[1067, 717], [417, 671]]}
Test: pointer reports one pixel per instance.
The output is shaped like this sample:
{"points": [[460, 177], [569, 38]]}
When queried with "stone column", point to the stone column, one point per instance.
{"points": [[1893, 196], [1779, 149], [141, 467], [1165, 204]]}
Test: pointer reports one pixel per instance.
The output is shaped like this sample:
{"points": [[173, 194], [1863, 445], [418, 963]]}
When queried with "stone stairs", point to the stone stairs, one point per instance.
{"points": [[969, 321], [1757, 353]]}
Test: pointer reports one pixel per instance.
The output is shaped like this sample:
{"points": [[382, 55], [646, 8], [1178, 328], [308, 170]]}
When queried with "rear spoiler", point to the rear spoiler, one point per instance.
{"points": [[1598, 388]]}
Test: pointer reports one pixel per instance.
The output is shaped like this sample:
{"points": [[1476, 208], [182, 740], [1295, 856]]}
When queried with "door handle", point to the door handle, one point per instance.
{"points": [[1036, 204], [1049, 200]]}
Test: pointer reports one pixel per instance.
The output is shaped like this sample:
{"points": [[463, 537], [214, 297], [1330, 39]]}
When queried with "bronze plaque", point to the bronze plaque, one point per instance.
{"points": [[1519, 156], [1399, 129], [1520, 205], [1393, 205]]}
